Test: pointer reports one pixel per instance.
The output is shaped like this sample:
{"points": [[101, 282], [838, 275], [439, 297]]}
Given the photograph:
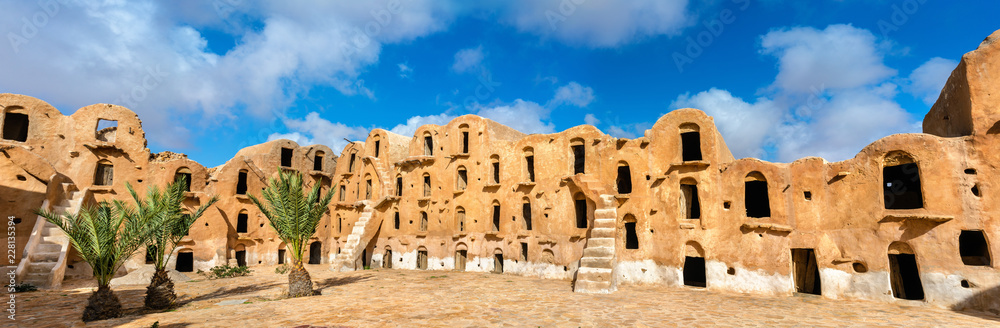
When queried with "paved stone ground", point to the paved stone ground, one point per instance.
{"points": [[403, 298]]}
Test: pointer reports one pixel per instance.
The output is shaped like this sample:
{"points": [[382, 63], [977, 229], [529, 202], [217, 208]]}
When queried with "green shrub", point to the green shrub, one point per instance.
{"points": [[25, 288], [283, 269], [226, 271]]}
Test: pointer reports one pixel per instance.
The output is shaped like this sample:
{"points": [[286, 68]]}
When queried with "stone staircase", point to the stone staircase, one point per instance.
{"points": [[364, 229], [596, 273], [45, 263]]}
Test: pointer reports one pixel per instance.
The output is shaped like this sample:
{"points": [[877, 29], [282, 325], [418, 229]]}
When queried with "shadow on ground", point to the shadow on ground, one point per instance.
{"points": [[226, 292], [340, 281]]}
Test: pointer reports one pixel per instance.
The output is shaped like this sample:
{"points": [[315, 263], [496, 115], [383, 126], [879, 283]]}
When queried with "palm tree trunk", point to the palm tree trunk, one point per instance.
{"points": [[299, 282], [102, 304], [160, 293]]}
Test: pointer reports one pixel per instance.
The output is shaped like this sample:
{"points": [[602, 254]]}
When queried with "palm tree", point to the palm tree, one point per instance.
{"points": [[294, 216], [105, 236], [164, 208]]}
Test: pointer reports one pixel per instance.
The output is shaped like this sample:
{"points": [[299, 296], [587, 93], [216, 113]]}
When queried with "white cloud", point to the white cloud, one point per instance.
{"points": [[468, 59], [744, 126], [413, 123], [590, 119], [838, 57], [575, 94], [525, 116], [104, 51], [405, 71], [294, 136], [830, 98], [927, 80], [314, 129], [598, 23]]}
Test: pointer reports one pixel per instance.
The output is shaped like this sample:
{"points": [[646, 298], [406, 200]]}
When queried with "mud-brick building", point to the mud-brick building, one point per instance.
{"points": [[911, 218]]}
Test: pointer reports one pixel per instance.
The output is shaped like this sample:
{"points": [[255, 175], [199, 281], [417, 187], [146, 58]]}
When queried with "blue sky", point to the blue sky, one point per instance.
{"points": [[783, 79]]}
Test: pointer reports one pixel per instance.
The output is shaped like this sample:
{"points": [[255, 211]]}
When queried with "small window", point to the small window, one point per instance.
{"points": [[690, 202], [463, 178], [530, 164], [395, 220], [427, 185], [378, 147], [756, 199], [580, 205], [104, 175], [428, 144], [524, 252], [318, 161], [973, 248], [579, 158], [465, 142], [241, 183], [624, 180], [460, 219], [399, 185], [343, 191], [526, 214], [286, 157], [350, 166], [631, 237], [423, 221], [340, 224], [368, 188], [183, 175], [496, 217], [106, 130], [901, 182], [691, 144], [495, 170], [15, 126], [242, 222]]}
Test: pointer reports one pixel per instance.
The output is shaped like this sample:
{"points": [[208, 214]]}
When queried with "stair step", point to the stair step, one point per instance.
{"points": [[594, 274], [41, 267], [37, 279], [602, 233], [600, 252], [605, 213], [60, 209], [597, 262], [55, 239], [600, 242], [592, 286], [45, 247], [52, 230], [38, 256]]}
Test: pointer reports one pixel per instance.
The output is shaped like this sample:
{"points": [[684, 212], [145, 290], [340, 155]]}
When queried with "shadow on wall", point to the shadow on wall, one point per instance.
{"points": [[995, 129], [987, 300]]}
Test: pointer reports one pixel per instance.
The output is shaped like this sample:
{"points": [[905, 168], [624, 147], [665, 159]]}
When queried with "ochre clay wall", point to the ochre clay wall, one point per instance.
{"points": [[836, 210]]}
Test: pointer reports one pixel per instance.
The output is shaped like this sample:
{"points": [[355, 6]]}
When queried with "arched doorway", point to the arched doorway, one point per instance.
{"points": [[315, 252]]}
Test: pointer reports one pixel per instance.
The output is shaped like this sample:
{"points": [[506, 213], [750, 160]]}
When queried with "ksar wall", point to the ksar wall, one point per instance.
{"points": [[911, 218]]}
